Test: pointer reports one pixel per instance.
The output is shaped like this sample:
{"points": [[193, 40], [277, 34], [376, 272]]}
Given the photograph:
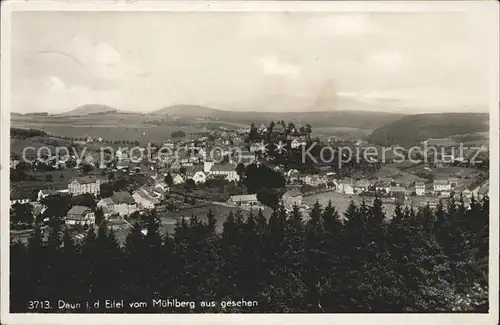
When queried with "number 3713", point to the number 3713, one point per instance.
{"points": [[38, 304]]}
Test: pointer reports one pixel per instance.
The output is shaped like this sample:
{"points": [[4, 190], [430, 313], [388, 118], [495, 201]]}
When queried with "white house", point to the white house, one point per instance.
{"points": [[85, 184], [345, 186], [178, 179], [297, 144], [121, 203], [441, 185], [226, 170], [207, 166], [420, 188], [80, 215], [42, 194], [247, 200], [144, 199]]}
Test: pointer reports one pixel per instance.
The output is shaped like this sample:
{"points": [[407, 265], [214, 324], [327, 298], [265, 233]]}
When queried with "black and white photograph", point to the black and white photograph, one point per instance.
{"points": [[250, 158]]}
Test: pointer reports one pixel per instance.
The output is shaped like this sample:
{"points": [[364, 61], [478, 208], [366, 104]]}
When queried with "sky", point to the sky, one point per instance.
{"points": [[143, 61]]}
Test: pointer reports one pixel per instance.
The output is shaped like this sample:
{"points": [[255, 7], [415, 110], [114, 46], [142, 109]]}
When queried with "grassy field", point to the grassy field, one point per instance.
{"points": [[392, 172], [341, 132], [28, 187], [446, 172], [141, 133]]}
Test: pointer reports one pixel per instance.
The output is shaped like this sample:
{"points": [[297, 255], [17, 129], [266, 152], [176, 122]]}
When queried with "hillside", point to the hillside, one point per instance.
{"points": [[185, 111], [355, 119], [413, 129], [89, 109]]}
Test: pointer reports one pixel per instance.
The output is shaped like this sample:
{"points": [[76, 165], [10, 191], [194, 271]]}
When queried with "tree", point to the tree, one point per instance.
{"points": [[178, 134], [99, 216], [254, 134], [240, 170], [21, 215], [85, 199], [87, 168]]}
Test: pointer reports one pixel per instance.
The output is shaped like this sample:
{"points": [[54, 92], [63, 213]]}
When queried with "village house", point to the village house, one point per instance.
{"points": [[279, 128], [382, 187], [80, 215], [228, 171], [420, 188], [42, 194], [255, 146], [361, 186], [178, 179], [85, 184], [145, 199], [294, 144], [20, 201], [397, 190], [345, 186], [292, 175], [483, 191], [246, 200], [121, 203], [242, 156], [175, 165], [454, 182], [291, 198], [441, 187], [199, 177], [169, 144], [314, 180]]}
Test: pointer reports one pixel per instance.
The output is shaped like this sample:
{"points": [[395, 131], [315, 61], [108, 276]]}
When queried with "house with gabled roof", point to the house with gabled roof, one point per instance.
{"points": [[80, 215], [246, 200], [85, 184]]}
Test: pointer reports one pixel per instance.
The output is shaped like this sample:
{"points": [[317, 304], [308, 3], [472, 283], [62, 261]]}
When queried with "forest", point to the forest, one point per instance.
{"points": [[356, 261]]}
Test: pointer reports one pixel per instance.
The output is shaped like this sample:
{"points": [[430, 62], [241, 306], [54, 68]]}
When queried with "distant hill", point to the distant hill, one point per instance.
{"points": [[413, 129], [89, 109], [185, 111], [356, 119]]}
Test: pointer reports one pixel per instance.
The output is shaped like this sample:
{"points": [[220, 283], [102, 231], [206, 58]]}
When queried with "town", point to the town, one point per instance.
{"points": [[252, 169]]}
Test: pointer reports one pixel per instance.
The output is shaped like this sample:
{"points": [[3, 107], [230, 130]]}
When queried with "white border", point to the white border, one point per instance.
{"points": [[490, 13]]}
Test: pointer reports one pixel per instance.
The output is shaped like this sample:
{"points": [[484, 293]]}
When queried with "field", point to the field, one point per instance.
{"points": [[26, 188], [392, 172], [341, 132], [141, 133], [448, 171]]}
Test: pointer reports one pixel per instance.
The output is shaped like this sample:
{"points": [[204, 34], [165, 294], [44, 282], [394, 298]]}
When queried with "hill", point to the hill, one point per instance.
{"points": [[355, 119], [89, 109], [413, 129], [185, 111]]}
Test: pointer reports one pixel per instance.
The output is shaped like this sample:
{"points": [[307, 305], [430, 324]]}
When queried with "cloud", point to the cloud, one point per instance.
{"points": [[104, 61], [271, 65]]}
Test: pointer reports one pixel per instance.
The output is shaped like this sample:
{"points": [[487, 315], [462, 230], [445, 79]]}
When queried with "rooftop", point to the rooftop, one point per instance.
{"points": [[293, 192], [79, 210], [243, 198], [122, 197], [223, 168], [85, 179]]}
